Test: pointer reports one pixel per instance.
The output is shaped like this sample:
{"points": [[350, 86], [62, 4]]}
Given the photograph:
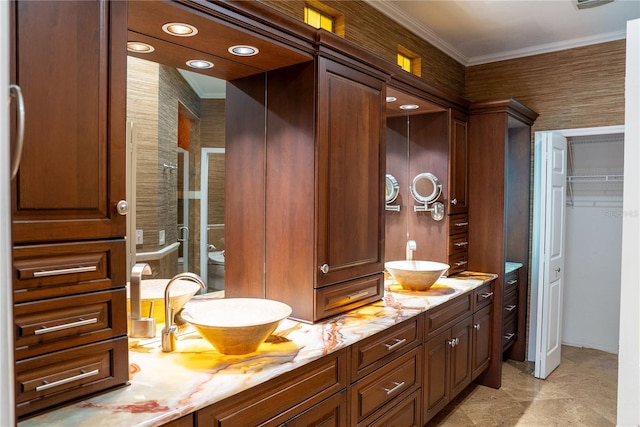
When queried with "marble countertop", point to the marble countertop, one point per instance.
{"points": [[511, 266], [166, 386]]}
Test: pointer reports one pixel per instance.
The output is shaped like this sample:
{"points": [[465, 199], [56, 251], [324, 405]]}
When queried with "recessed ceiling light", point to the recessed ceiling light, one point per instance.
{"points": [[199, 63], [391, 99], [409, 107], [139, 47], [243, 50], [180, 29]]}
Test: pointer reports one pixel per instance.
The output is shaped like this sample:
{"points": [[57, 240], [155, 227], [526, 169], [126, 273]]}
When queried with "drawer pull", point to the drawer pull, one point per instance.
{"points": [[510, 307], [396, 387], [461, 224], [82, 322], [509, 336], [61, 271], [461, 263], [487, 295], [47, 385], [358, 295], [396, 344], [512, 282], [461, 244]]}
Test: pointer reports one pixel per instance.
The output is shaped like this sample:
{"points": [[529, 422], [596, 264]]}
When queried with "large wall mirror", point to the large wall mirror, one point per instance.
{"points": [[417, 148], [177, 134]]}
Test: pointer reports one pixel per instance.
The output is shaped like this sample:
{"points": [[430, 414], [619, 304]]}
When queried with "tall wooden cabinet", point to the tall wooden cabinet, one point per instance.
{"points": [[68, 237], [319, 209], [499, 202]]}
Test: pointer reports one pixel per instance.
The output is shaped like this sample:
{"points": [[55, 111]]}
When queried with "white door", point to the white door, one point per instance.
{"points": [[551, 268]]}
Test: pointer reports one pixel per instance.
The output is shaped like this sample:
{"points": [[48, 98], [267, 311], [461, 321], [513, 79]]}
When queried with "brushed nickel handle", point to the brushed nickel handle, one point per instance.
{"points": [[396, 344], [46, 385], [324, 268], [487, 295], [62, 271], [82, 322], [461, 263], [15, 91], [510, 307], [461, 224], [357, 295], [396, 387], [453, 342], [476, 326], [122, 207], [460, 244], [454, 201], [512, 282], [509, 336]]}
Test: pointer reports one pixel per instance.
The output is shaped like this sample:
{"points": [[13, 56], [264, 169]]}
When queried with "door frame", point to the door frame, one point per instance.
{"points": [[204, 208], [533, 303]]}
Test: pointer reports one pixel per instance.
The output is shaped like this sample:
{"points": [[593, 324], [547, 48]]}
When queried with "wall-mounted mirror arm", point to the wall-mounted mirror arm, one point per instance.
{"points": [[392, 189]]}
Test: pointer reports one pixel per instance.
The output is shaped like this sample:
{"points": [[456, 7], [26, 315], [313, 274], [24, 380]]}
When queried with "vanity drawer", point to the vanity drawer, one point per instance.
{"points": [[56, 378], [342, 297], [457, 263], [444, 315], [510, 307], [373, 352], [395, 380], [509, 332], [458, 243], [403, 414], [49, 271], [483, 295], [511, 282], [50, 325], [458, 224]]}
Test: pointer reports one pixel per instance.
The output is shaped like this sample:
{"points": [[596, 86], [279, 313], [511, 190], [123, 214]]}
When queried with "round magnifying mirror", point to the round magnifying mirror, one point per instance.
{"points": [[391, 189], [426, 188]]}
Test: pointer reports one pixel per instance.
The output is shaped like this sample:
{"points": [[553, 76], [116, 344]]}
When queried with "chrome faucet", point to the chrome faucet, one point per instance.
{"points": [[169, 331], [411, 246], [141, 327]]}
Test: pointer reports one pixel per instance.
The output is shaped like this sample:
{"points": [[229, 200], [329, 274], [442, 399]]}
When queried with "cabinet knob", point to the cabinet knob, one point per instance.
{"points": [[476, 326], [122, 207], [454, 201], [324, 268]]}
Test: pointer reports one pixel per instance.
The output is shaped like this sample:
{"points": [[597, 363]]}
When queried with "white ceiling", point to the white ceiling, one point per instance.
{"points": [[480, 31]]}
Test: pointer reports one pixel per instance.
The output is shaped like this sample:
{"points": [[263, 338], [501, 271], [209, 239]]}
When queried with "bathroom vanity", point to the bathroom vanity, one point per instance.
{"points": [[367, 366]]}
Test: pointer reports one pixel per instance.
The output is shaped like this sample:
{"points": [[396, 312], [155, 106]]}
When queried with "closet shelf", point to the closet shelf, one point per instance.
{"points": [[595, 178]]}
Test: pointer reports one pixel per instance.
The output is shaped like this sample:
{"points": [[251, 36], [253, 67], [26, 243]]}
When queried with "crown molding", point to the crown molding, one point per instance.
{"points": [[387, 8]]}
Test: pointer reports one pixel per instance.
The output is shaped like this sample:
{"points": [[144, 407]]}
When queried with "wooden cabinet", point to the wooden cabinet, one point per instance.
{"points": [[68, 238], [482, 334], [72, 172], [458, 163], [289, 399], [322, 219], [386, 374], [499, 209], [513, 324], [458, 247], [457, 346], [447, 366]]}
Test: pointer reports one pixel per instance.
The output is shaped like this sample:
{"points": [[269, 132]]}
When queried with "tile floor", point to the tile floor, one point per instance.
{"points": [[580, 392]]}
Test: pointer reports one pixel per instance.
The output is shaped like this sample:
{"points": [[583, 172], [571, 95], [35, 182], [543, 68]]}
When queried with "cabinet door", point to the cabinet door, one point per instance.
{"points": [[70, 63], [482, 334], [460, 356], [350, 198], [436, 374], [458, 152]]}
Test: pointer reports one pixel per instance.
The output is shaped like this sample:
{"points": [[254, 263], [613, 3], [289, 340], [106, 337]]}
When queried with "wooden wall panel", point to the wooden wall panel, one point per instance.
{"points": [[574, 88], [379, 34]]}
